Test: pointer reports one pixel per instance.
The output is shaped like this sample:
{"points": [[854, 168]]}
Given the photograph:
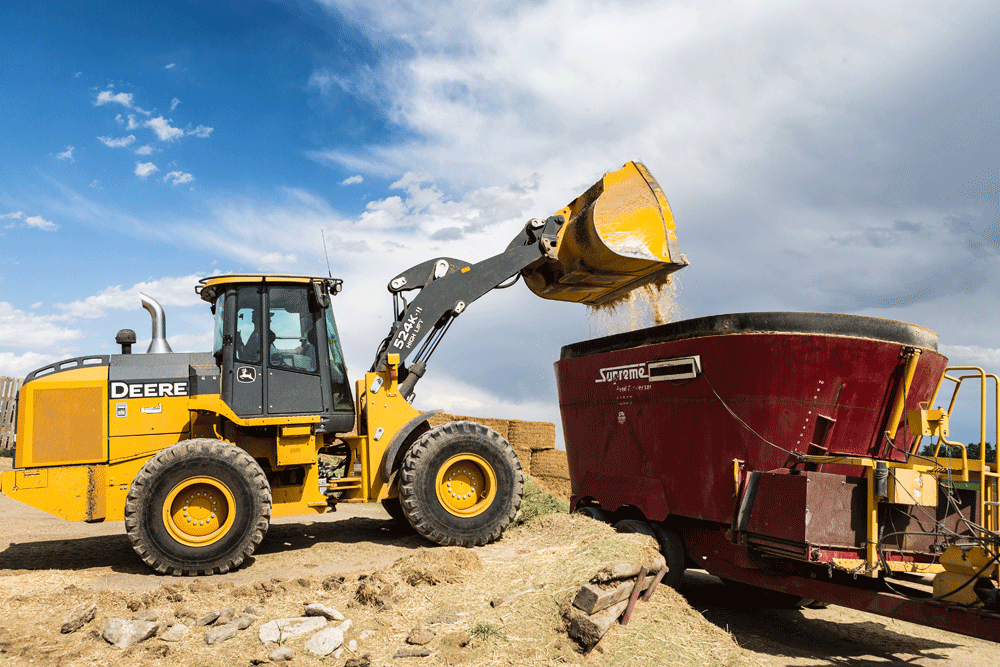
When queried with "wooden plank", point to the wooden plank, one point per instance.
{"points": [[593, 598], [8, 396], [588, 630]]}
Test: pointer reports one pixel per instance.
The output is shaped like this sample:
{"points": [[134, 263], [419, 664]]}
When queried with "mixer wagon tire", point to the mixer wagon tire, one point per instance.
{"points": [[198, 507], [670, 546], [593, 512], [460, 484]]}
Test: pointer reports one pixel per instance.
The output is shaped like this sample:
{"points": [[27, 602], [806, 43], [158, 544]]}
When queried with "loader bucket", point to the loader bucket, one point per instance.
{"points": [[618, 235]]}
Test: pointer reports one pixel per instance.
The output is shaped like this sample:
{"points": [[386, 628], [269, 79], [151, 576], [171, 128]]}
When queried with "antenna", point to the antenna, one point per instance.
{"points": [[329, 273]]}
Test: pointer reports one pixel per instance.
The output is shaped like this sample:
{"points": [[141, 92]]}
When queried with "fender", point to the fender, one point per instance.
{"points": [[389, 457]]}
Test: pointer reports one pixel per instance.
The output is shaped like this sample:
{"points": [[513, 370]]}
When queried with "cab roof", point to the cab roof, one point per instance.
{"points": [[210, 288]]}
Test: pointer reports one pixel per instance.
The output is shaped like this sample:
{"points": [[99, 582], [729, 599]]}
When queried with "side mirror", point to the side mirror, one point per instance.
{"points": [[320, 296]]}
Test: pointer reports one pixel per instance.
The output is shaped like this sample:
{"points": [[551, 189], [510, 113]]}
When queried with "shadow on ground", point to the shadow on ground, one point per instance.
{"points": [[824, 636], [115, 551]]}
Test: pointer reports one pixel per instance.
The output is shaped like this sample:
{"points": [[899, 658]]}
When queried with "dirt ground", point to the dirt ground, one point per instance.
{"points": [[47, 566]]}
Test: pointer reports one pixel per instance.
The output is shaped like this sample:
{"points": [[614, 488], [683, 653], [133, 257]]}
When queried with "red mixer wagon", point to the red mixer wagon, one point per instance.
{"points": [[786, 451]]}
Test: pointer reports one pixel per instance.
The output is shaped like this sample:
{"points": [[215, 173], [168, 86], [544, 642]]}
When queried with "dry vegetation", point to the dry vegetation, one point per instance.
{"points": [[541, 562]]}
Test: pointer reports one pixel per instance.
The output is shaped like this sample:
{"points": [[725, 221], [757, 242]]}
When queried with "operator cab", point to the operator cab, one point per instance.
{"points": [[277, 344]]}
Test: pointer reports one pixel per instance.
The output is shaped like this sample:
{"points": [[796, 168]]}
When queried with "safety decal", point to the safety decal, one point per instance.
{"points": [[152, 410], [246, 374]]}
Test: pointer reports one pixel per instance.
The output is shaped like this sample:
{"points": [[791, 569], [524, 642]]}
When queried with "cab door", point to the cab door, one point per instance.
{"points": [[248, 366], [293, 360]]}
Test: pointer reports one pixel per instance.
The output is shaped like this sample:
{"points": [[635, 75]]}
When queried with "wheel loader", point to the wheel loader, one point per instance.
{"points": [[196, 452]]}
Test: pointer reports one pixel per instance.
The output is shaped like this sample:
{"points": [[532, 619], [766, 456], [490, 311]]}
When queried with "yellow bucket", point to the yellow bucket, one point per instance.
{"points": [[618, 235]]}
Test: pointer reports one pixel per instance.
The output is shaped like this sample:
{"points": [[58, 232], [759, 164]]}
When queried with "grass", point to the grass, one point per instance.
{"points": [[7, 453], [537, 503]]}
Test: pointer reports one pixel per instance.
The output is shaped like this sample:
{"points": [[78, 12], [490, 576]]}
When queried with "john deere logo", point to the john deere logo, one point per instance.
{"points": [[246, 374]]}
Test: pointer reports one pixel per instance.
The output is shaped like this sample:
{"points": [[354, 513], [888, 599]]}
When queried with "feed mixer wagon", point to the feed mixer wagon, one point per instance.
{"points": [[803, 453]]}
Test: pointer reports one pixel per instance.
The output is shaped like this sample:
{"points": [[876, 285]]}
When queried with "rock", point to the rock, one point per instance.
{"points": [[366, 634], [221, 633], [163, 626], [176, 633], [78, 618], [420, 636], [243, 621], [360, 661], [281, 629], [346, 625], [207, 619], [226, 616], [146, 615], [318, 609], [125, 633], [325, 642], [281, 654], [339, 652], [352, 646], [411, 652], [445, 617], [185, 612], [251, 611]]}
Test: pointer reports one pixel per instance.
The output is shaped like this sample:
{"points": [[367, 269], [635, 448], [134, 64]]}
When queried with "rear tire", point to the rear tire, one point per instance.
{"points": [[670, 546], [460, 484], [594, 512], [199, 507]]}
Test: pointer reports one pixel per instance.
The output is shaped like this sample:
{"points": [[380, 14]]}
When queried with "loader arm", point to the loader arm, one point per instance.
{"points": [[446, 288]]}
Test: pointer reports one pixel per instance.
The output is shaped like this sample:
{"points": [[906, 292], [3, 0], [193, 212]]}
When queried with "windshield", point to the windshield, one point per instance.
{"points": [[219, 319], [338, 369]]}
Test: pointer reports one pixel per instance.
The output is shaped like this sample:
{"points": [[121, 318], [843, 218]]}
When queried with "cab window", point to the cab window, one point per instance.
{"points": [[291, 334]]}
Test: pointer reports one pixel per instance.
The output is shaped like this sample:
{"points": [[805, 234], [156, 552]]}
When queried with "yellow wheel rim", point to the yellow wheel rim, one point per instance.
{"points": [[199, 511], [466, 485]]}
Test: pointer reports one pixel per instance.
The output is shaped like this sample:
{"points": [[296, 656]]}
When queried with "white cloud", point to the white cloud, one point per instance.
{"points": [[108, 97], [173, 103], [21, 330], [95, 184], [169, 291], [117, 143], [77, 75], [178, 177], [38, 222], [163, 129], [132, 123], [170, 66], [19, 365], [15, 215], [352, 180], [144, 169], [201, 131], [66, 154], [144, 150]]}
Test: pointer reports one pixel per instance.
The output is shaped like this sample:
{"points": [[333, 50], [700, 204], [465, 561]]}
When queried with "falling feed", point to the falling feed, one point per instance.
{"points": [[652, 304]]}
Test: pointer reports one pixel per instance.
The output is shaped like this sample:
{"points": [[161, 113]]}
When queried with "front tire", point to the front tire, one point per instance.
{"points": [[199, 507], [460, 484]]}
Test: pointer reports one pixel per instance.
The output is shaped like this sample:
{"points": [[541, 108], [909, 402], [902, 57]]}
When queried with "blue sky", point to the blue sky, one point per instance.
{"points": [[821, 156]]}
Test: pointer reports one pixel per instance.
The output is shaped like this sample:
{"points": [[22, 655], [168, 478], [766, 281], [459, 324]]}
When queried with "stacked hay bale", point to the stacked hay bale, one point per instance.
{"points": [[535, 445]]}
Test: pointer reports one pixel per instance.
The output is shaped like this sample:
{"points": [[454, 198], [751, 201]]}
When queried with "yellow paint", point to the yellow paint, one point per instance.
{"points": [[198, 511], [946, 583], [144, 416], [74, 493], [62, 418], [297, 445], [617, 237], [904, 390], [466, 484], [145, 446], [856, 564], [302, 499], [912, 487], [968, 560]]}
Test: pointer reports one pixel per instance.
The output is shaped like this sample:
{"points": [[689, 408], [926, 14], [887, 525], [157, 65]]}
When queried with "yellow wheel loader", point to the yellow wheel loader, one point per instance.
{"points": [[196, 452]]}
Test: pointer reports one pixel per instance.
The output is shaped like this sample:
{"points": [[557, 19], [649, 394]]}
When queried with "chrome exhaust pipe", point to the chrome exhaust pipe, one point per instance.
{"points": [[158, 344]]}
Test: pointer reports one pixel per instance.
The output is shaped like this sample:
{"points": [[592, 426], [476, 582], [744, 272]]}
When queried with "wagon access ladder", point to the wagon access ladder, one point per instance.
{"points": [[8, 402]]}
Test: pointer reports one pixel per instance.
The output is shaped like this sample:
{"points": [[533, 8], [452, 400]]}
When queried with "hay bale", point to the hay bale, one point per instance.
{"points": [[550, 463], [501, 426], [536, 436], [560, 488], [524, 456]]}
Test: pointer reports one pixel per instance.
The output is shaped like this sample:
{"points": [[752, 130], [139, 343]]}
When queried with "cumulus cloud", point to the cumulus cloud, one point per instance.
{"points": [[178, 177], [200, 131], [144, 150], [120, 142], [173, 103], [124, 99], [144, 169], [21, 330], [352, 180], [66, 154], [169, 291], [38, 222], [163, 129]]}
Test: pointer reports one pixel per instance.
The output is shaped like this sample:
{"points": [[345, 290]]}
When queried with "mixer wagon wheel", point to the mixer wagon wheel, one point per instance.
{"points": [[199, 507], [670, 546], [460, 484], [593, 512]]}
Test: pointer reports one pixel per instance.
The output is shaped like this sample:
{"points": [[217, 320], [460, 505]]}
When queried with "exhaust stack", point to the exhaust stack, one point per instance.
{"points": [[159, 344]]}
